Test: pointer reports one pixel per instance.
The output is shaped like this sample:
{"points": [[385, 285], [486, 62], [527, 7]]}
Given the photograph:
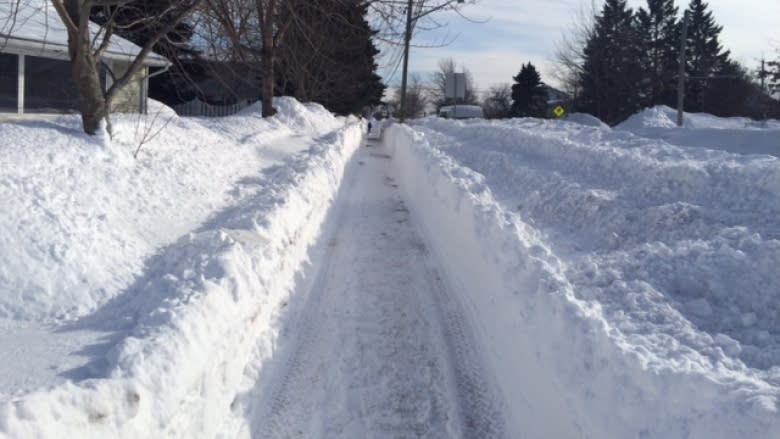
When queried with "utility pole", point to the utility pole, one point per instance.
{"points": [[763, 74], [681, 71], [407, 39]]}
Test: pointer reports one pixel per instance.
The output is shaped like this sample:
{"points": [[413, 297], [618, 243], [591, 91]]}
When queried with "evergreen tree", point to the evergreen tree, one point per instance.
{"points": [[774, 74], [611, 73], [529, 97], [704, 55], [737, 94], [328, 55], [659, 33], [139, 20]]}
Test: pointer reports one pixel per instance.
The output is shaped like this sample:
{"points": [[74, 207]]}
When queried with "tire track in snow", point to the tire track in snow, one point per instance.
{"points": [[479, 410], [382, 350]]}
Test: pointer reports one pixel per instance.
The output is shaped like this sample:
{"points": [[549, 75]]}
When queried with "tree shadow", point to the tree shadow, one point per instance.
{"points": [[145, 298]]}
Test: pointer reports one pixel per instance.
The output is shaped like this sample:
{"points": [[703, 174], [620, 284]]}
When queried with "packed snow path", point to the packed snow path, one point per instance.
{"points": [[380, 349]]}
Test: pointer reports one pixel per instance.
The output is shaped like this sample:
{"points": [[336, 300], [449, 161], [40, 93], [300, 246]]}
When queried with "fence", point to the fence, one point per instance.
{"points": [[196, 107]]}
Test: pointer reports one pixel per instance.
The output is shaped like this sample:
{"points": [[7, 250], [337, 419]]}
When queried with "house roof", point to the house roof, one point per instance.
{"points": [[33, 27]]}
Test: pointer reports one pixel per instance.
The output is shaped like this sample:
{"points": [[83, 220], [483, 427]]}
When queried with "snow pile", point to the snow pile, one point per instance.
{"points": [[179, 333], [662, 116], [624, 288], [655, 117], [735, 134], [585, 119], [81, 217]]}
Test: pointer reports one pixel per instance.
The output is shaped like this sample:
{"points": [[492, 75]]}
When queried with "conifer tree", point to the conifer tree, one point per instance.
{"points": [[659, 33], [704, 55], [139, 20], [529, 97], [774, 74], [328, 55], [611, 73]]}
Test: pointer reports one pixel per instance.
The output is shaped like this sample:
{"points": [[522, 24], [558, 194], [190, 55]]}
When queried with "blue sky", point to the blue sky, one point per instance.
{"points": [[518, 31]]}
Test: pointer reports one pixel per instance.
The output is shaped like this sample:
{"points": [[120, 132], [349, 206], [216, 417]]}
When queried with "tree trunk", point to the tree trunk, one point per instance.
{"points": [[84, 67], [92, 102], [269, 53], [268, 83]]}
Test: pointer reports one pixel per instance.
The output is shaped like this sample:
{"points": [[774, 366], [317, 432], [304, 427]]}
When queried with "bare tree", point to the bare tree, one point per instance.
{"points": [[498, 102], [328, 56], [87, 42], [253, 31], [439, 84], [399, 19], [416, 99], [569, 56]]}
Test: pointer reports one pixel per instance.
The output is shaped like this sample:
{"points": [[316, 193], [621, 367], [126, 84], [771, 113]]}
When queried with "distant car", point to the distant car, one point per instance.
{"points": [[461, 112]]}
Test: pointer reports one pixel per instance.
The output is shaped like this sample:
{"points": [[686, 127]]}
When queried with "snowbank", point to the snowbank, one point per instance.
{"points": [[181, 333], [662, 116], [702, 223], [736, 134], [575, 350], [81, 217], [585, 119]]}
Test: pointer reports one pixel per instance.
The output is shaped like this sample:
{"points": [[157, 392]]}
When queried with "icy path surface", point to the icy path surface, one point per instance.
{"points": [[379, 349]]}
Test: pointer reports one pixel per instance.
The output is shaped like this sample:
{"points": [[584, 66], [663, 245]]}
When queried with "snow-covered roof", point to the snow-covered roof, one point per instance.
{"points": [[34, 27]]}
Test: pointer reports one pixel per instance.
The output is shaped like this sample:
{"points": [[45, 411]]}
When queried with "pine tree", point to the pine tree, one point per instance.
{"points": [[704, 55], [774, 74], [529, 97], [659, 33], [611, 74], [328, 55], [139, 20]]}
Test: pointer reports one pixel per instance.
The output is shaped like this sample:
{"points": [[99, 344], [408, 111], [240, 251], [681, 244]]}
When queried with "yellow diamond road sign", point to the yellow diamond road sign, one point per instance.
{"points": [[559, 111]]}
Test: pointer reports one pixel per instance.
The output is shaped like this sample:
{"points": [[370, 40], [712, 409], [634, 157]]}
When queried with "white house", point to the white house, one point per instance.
{"points": [[35, 74]]}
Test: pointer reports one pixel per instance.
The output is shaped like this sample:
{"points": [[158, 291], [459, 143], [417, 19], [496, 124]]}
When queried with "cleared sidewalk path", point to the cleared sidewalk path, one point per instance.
{"points": [[379, 350]]}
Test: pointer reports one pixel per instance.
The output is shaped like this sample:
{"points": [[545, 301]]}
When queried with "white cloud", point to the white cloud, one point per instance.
{"points": [[519, 31]]}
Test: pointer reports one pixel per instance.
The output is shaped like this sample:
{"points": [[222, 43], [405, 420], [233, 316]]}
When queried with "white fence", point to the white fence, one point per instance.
{"points": [[196, 107]]}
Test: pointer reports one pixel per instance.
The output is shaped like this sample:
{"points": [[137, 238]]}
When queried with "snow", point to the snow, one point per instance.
{"points": [[626, 283], [585, 119], [736, 134], [251, 277], [205, 235], [379, 350]]}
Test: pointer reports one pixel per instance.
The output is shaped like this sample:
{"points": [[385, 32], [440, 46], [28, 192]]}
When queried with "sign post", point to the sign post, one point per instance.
{"points": [[455, 88]]}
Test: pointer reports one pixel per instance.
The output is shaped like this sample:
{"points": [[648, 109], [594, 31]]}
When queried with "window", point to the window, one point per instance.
{"points": [[48, 87], [9, 71]]}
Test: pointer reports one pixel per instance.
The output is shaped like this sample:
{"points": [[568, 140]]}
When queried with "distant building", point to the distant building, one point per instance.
{"points": [[35, 70]]}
